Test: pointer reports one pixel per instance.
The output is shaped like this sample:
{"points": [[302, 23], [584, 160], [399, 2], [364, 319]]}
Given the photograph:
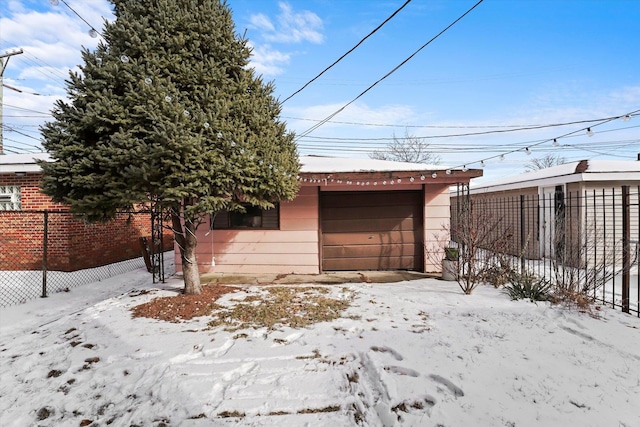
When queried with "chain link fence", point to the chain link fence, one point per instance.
{"points": [[47, 252]]}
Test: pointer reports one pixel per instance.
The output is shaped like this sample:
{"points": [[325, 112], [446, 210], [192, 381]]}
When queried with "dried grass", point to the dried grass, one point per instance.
{"points": [[292, 306]]}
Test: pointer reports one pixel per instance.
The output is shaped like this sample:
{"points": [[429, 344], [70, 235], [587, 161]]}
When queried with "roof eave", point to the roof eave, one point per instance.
{"points": [[439, 176]]}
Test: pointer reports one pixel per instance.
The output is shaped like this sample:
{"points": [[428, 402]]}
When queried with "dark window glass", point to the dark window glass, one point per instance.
{"points": [[253, 217]]}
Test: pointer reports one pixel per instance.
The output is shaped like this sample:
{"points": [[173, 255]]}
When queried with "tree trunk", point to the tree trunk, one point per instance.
{"points": [[185, 235]]}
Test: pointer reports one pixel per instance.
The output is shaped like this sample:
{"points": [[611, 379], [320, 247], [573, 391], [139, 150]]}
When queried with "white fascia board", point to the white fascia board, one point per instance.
{"points": [[546, 182], [633, 178], [612, 176], [20, 168], [22, 163]]}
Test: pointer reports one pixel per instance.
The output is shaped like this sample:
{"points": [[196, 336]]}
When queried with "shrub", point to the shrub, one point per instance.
{"points": [[451, 254], [528, 286], [500, 273]]}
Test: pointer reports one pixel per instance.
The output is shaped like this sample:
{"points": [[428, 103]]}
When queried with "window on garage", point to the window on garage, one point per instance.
{"points": [[253, 218]]}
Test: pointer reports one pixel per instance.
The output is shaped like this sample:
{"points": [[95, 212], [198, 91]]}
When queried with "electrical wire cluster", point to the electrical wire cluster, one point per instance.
{"points": [[439, 142]]}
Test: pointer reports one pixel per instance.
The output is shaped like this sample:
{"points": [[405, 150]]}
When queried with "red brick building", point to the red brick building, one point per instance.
{"points": [[72, 244]]}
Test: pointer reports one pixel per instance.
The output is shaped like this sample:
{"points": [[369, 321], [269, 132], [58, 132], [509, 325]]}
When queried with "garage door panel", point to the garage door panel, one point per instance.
{"points": [[390, 263], [359, 251], [373, 212], [367, 225], [371, 238], [379, 230], [370, 199]]}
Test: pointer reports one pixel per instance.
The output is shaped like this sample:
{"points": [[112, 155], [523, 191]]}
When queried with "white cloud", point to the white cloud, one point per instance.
{"points": [[52, 38], [44, 73], [292, 27], [262, 22], [267, 61], [629, 95]]}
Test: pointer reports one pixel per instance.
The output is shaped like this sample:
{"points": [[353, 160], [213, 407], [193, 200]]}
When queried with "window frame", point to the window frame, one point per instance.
{"points": [[224, 220]]}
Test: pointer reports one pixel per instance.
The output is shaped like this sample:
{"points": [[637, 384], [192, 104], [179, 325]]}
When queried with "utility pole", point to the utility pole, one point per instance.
{"points": [[3, 64]]}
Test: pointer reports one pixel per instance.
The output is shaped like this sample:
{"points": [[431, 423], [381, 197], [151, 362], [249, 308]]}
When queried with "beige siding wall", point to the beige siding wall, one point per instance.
{"points": [[436, 225], [292, 249]]}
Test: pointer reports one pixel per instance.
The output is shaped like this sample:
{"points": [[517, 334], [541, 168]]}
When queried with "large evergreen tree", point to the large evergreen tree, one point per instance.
{"points": [[166, 109]]}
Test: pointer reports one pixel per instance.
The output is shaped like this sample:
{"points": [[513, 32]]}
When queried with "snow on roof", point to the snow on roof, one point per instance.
{"points": [[584, 170], [321, 164], [11, 163]]}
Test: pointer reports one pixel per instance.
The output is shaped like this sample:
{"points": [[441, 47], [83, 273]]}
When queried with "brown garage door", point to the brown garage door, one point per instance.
{"points": [[372, 230]]}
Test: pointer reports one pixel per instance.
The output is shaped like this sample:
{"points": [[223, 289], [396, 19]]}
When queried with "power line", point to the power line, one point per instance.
{"points": [[9, 128], [317, 125], [49, 75], [15, 107], [525, 126], [5, 147], [347, 53], [23, 143], [474, 148], [454, 135], [13, 128], [527, 149], [50, 68]]}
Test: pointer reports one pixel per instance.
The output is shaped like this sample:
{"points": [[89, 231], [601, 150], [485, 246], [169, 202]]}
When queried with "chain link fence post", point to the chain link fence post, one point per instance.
{"points": [[45, 243]]}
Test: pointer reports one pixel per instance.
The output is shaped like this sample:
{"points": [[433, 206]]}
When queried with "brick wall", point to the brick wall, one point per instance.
{"points": [[32, 198], [73, 244], [21, 237]]}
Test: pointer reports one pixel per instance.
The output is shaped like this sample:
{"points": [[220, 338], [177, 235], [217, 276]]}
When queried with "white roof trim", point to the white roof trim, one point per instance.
{"points": [[596, 171], [12, 163]]}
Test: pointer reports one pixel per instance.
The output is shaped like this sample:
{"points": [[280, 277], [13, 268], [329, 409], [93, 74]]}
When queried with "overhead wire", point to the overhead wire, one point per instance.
{"points": [[451, 126], [347, 53], [96, 32], [455, 135], [484, 148], [583, 129], [46, 70], [15, 107], [332, 115], [22, 143], [53, 70], [11, 129]]}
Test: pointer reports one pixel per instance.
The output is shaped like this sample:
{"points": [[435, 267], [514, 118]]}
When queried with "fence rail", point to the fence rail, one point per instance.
{"points": [[587, 241], [43, 252]]}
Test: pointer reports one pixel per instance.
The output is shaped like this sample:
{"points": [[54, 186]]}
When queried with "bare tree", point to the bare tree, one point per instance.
{"points": [[410, 149], [544, 162]]}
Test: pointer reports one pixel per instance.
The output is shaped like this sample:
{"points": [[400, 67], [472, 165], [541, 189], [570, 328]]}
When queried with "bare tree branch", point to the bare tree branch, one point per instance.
{"points": [[411, 149], [544, 162]]}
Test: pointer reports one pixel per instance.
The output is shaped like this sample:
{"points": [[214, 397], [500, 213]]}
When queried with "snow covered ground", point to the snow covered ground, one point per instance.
{"points": [[416, 353]]}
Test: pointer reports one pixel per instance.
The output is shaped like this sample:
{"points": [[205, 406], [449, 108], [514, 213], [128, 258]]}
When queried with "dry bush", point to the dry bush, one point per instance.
{"points": [[583, 262]]}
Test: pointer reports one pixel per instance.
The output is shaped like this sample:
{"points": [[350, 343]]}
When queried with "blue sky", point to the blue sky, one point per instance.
{"points": [[507, 64]]}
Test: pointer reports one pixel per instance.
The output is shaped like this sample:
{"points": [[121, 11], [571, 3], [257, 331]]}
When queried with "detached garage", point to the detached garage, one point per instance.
{"points": [[349, 214]]}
